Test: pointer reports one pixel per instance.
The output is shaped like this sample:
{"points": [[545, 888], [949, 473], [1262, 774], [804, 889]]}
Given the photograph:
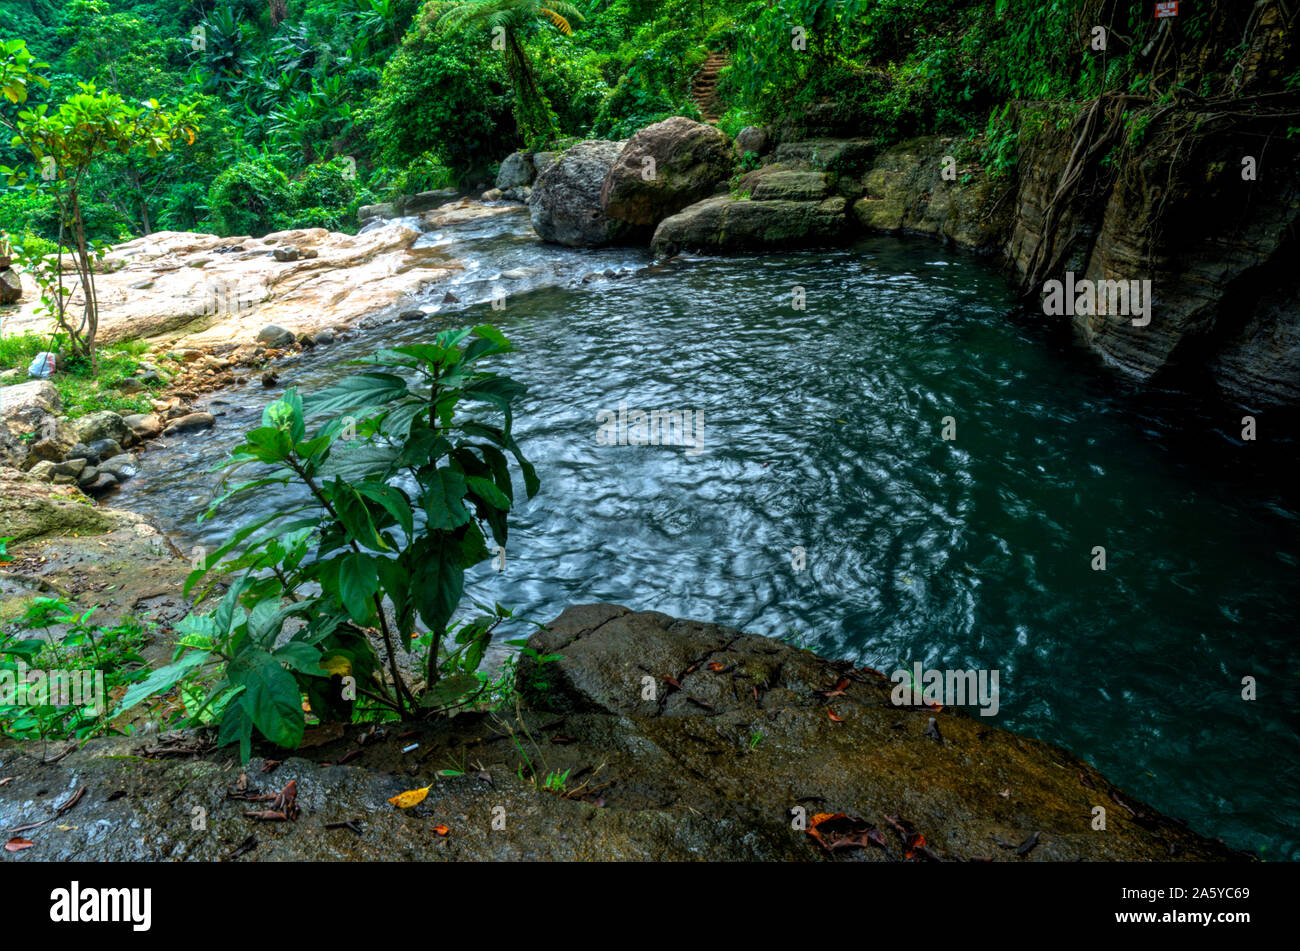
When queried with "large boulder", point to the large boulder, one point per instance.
{"points": [[193, 422], [30, 418], [11, 287], [723, 224], [785, 183], [275, 337], [543, 160], [516, 171], [664, 168], [384, 209], [103, 425], [752, 138], [566, 207]]}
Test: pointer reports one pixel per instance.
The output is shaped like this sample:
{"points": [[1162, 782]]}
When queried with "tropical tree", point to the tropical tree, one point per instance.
{"points": [[66, 143], [508, 22]]}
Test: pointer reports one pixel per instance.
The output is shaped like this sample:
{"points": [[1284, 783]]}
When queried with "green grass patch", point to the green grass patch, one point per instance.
{"points": [[82, 391]]}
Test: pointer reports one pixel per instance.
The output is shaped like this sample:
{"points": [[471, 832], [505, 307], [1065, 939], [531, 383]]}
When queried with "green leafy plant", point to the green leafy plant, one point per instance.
{"points": [[71, 647], [556, 782], [67, 143], [247, 197], [386, 506]]}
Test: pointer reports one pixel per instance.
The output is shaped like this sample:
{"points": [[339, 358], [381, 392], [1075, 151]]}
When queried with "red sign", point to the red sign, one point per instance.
{"points": [[1166, 8]]}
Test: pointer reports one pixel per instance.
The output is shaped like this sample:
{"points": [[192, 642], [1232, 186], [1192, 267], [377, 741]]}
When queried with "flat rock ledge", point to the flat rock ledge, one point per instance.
{"points": [[708, 766]]}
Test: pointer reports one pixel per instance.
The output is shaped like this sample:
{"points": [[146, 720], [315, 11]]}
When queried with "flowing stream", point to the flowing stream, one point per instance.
{"points": [[822, 430]]}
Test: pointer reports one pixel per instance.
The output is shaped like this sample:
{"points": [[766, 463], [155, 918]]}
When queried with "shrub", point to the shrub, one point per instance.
{"points": [[444, 94], [394, 496], [331, 184], [245, 198]]}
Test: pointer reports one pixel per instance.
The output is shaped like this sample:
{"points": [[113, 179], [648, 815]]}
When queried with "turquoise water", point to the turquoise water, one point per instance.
{"points": [[822, 430]]}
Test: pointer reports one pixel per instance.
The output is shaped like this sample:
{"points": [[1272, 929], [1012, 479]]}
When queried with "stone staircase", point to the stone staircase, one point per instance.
{"points": [[704, 90]]}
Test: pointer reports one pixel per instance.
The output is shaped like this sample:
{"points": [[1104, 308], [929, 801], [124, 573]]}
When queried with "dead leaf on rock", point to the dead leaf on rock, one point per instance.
{"points": [[243, 848], [71, 801], [915, 842], [838, 830], [412, 797]]}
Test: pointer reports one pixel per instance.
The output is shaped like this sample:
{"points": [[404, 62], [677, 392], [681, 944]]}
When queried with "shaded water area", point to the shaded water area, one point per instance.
{"points": [[822, 430]]}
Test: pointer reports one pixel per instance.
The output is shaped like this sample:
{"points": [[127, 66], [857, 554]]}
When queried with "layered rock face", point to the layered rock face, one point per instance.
{"points": [[731, 743], [1218, 247], [906, 190]]}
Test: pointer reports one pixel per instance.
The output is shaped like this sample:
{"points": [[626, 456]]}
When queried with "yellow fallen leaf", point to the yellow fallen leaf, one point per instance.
{"points": [[412, 797]]}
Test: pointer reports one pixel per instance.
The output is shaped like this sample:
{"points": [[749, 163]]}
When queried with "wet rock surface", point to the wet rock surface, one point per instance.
{"points": [[722, 223], [708, 765], [63, 545]]}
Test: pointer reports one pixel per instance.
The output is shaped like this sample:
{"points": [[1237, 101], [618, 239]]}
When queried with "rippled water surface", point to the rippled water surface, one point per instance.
{"points": [[822, 430]]}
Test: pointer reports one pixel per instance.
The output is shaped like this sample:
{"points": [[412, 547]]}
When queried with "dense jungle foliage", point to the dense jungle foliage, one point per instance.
{"points": [[311, 108]]}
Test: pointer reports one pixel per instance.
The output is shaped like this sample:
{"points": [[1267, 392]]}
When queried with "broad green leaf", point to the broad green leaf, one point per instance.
{"points": [[302, 657], [358, 581], [392, 499], [439, 582], [442, 501], [358, 390], [271, 697], [164, 678]]}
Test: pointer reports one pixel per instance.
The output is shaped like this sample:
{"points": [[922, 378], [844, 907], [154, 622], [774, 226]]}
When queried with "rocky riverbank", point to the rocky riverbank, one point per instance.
{"points": [[1191, 212], [745, 749], [197, 291]]}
